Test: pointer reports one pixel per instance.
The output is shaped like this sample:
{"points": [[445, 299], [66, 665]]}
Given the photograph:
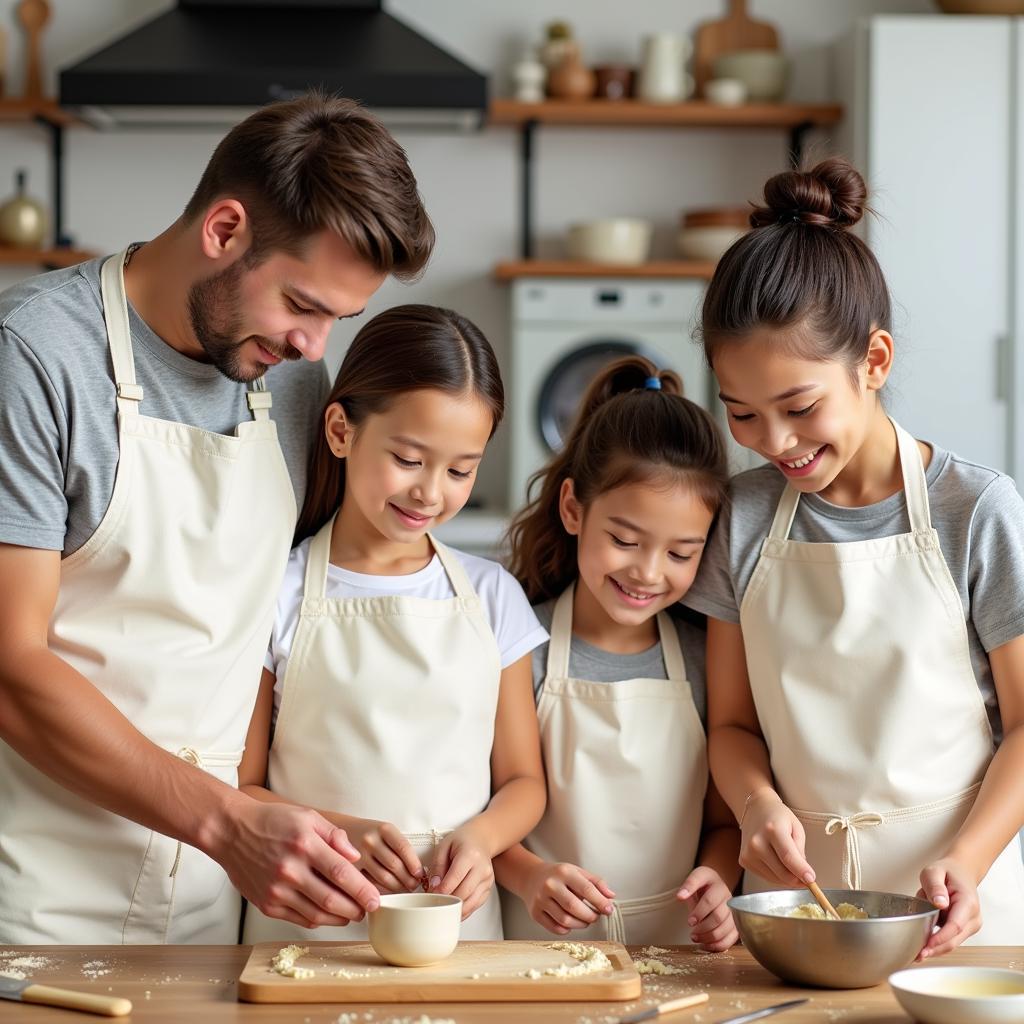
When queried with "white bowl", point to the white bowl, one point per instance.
{"points": [[960, 995], [763, 72], [725, 92], [621, 240], [707, 242], [415, 929]]}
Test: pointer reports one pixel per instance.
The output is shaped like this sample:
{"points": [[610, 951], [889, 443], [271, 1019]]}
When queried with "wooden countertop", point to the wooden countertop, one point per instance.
{"points": [[197, 984]]}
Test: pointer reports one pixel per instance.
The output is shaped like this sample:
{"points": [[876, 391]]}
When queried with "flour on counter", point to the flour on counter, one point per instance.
{"points": [[590, 958], [283, 962]]}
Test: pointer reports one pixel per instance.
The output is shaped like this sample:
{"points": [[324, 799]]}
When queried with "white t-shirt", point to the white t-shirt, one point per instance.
{"points": [[516, 627]]}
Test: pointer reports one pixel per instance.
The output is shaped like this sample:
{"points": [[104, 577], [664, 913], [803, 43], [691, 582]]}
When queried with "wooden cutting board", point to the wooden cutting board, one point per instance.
{"points": [[477, 972], [735, 31]]}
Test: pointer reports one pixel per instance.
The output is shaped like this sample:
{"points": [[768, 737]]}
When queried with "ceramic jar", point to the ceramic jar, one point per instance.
{"points": [[22, 218], [571, 79], [529, 76], [663, 77]]}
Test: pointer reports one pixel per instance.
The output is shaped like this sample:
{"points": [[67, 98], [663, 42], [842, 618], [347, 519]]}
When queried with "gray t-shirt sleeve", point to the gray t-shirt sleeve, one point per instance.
{"points": [[34, 428], [996, 564], [713, 591]]}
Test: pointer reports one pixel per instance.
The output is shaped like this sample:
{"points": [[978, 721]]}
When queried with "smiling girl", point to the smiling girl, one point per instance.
{"points": [[397, 686], [613, 539], [866, 630]]}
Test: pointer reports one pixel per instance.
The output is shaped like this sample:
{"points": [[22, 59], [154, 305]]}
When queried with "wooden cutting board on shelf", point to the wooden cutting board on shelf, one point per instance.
{"points": [[477, 972], [736, 31]]}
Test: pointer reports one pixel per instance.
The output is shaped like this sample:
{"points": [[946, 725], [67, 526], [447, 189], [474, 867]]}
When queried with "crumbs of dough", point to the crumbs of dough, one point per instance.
{"points": [[283, 962]]}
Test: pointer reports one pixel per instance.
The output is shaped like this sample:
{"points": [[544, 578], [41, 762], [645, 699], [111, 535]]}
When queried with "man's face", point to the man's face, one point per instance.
{"points": [[249, 318]]}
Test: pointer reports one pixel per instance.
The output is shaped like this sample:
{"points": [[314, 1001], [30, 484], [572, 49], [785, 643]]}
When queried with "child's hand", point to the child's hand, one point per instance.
{"points": [[462, 867], [951, 887], [773, 841], [561, 897], [385, 856], [711, 922]]}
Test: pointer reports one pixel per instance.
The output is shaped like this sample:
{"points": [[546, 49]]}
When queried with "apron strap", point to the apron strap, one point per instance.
{"points": [[318, 560], [615, 922], [560, 644], [671, 649], [915, 483], [915, 490], [456, 571], [119, 338]]}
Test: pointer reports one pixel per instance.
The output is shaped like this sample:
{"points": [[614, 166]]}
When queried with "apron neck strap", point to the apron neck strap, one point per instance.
{"points": [[915, 483], [561, 635], [119, 337], [671, 649], [318, 560], [560, 644], [915, 491], [457, 575]]}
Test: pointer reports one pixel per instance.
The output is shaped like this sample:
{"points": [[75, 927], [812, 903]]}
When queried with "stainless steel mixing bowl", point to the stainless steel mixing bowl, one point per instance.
{"points": [[833, 954]]}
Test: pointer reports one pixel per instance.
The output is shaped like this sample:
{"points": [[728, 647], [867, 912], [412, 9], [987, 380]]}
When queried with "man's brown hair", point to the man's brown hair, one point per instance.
{"points": [[321, 162]]}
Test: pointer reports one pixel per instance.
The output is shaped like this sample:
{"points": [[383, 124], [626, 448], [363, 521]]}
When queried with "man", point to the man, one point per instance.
{"points": [[146, 515]]}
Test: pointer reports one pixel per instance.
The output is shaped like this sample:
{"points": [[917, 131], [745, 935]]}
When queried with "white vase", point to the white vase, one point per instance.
{"points": [[663, 75]]}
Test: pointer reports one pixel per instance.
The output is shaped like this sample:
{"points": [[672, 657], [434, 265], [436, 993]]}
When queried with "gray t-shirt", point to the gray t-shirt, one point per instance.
{"points": [[58, 409], [589, 662], [977, 512]]}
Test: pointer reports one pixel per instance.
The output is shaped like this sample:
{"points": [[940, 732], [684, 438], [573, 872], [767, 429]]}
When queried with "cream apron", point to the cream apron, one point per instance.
{"points": [[627, 771], [387, 712], [861, 673], [166, 609]]}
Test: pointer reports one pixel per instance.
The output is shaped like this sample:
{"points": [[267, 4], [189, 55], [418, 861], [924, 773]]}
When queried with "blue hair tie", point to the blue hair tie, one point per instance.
{"points": [[652, 384]]}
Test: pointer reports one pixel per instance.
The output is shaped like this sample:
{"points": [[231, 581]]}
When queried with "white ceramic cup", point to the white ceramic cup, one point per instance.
{"points": [[726, 92], [415, 929]]}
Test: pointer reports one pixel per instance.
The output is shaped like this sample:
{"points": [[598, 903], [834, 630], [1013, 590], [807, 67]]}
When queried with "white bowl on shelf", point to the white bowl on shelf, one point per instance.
{"points": [[763, 72], [960, 995], [625, 241]]}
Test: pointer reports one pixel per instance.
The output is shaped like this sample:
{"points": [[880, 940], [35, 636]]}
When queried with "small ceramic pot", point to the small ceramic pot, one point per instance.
{"points": [[725, 92], [571, 79], [415, 929], [614, 81]]}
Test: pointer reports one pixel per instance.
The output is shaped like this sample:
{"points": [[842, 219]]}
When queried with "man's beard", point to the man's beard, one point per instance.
{"points": [[214, 310]]}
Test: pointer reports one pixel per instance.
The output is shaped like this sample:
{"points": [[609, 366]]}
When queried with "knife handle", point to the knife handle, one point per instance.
{"points": [[107, 1006]]}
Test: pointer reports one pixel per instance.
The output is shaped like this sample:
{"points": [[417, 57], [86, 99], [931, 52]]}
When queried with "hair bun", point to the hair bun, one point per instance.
{"points": [[831, 194]]}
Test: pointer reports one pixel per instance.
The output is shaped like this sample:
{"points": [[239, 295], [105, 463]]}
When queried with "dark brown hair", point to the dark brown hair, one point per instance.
{"points": [[625, 432], [314, 163], [406, 348], [801, 269]]}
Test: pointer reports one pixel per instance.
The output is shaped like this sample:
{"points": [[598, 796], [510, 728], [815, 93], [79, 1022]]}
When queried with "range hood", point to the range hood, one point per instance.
{"points": [[214, 61]]}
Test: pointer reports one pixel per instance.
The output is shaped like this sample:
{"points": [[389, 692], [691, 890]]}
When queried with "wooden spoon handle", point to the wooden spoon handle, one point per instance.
{"points": [[822, 900], [107, 1006]]}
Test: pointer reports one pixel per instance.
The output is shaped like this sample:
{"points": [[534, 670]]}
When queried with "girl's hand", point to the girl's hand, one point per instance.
{"points": [[561, 897], [772, 844], [951, 887], [462, 867], [711, 923], [385, 856]]}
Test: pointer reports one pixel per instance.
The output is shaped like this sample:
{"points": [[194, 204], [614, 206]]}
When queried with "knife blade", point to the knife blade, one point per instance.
{"points": [[745, 1018], [27, 991]]}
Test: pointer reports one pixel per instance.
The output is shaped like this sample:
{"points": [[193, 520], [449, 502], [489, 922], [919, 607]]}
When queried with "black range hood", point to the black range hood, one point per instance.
{"points": [[207, 61]]}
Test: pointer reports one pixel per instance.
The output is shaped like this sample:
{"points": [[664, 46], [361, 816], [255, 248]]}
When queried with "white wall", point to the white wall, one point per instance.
{"points": [[131, 184]]}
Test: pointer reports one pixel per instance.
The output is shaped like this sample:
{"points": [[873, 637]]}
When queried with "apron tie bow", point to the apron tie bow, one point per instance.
{"points": [[850, 824]]}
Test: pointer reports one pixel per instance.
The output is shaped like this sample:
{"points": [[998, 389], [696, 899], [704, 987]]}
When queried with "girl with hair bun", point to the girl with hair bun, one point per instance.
{"points": [[866, 628], [612, 539]]}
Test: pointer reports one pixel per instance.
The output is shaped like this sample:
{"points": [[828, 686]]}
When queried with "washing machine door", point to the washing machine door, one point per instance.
{"points": [[567, 382]]}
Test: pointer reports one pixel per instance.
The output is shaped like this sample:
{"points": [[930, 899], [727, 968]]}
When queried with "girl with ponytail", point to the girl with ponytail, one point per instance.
{"points": [[874, 582], [398, 673], [611, 541]]}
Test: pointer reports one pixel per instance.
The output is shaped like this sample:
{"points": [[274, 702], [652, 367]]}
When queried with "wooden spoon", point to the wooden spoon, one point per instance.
{"points": [[823, 902], [33, 15]]}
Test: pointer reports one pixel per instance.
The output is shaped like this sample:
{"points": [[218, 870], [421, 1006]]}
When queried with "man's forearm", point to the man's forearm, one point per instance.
{"points": [[61, 724]]}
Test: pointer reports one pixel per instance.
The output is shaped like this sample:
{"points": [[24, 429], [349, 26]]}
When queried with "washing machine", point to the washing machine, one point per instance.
{"points": [[564, 331]]}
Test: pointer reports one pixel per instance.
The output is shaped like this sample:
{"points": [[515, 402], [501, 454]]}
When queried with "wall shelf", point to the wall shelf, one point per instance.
{"points": [[513, 269], [796, 118], [55, 119], [52, 259], [692, 114]]}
